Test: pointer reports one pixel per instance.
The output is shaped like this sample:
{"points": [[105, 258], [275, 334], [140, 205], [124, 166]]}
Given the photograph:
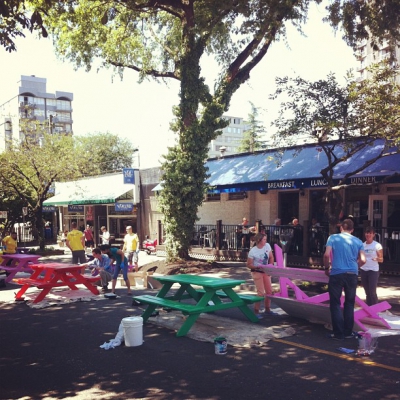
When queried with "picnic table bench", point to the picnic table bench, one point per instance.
{"points": [[215, 294], [315, 308], [17, 263]]}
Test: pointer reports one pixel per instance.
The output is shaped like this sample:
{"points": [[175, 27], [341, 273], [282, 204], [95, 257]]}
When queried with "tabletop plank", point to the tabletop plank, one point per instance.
{"points": [[204, 281]]}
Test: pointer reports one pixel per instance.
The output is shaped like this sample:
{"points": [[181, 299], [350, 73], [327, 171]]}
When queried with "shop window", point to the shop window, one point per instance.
{"points": [[213, 196]]}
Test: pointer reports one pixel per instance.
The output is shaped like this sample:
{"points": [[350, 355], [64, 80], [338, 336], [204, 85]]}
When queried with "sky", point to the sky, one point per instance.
{"points": [[142, 112]]}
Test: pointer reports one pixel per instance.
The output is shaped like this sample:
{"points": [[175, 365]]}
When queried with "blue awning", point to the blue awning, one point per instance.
{"points": [[296, 169]]}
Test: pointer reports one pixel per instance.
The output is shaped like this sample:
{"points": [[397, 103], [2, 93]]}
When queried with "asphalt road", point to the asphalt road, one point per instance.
{"points": [[54, 353]]}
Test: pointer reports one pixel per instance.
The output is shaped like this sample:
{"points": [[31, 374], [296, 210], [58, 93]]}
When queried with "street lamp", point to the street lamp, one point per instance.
{"points": [[138, 157]]}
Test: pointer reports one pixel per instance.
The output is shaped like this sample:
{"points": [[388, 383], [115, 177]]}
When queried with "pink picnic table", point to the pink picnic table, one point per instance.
{"points": [[315, 308], [19, 263]]}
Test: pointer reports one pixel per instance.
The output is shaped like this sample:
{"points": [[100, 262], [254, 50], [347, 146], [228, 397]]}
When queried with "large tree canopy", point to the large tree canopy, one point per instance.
{"points": [[168, 39], [103, 153], [28, 168], [343, 120]]}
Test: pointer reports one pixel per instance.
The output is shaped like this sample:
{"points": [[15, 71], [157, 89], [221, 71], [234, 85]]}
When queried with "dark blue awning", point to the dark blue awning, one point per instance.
{"points": [[299, 168]]}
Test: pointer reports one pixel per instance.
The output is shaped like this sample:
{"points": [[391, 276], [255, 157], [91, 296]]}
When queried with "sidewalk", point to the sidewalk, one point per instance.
{"points": [[54, 353]]}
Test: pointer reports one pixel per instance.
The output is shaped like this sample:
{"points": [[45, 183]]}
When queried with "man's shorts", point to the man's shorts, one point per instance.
{"points": [[132, 256]]}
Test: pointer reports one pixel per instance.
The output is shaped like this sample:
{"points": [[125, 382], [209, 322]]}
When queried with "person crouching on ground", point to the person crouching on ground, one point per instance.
{"points": [[101, 265], [261, 254], [121, 263]]}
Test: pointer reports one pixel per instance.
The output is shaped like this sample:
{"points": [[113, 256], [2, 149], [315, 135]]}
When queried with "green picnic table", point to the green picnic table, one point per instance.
{"points": [[211, 294]]}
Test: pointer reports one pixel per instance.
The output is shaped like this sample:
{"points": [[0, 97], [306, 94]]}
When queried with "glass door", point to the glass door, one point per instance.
{"points": [[377, 211]]}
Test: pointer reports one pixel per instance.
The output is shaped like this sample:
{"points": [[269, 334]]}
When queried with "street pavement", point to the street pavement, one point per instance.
{"points": [[54, 353]]}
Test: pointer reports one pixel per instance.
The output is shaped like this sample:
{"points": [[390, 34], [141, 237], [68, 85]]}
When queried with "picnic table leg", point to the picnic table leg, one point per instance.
{"points": [[24, 288], [244, 308], [21, 292], [149, 310], [16, 268], [185, 328], [42, 294], [80, 279]]}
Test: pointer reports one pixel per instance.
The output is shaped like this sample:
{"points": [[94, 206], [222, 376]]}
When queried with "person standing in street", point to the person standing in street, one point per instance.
{"points": [[343, 256], [76, 243], [259, 255], [131, 247], [89, 242], [370, 270], [105, 235]]}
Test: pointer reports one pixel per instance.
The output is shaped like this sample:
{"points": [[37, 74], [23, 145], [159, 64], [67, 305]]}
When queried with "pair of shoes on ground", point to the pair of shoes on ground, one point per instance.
{"points": [[351, 336]]}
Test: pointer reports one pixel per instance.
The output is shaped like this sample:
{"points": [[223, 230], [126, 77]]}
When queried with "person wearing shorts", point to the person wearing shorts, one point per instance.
{"points": [[131, 247]]}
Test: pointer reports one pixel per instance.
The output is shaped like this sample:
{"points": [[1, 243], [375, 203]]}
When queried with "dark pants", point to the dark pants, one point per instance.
{"points": [[78, 257], [369, 280], [342, 323]]}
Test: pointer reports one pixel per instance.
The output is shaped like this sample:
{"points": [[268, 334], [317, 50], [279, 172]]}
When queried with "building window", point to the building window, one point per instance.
{"points": [[237, 196], [213, 196], [63, 105]]}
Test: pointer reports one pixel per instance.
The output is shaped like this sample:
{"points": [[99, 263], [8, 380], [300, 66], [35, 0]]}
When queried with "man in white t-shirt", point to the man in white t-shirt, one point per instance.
{"points": [[370, 270], [105, 235]]}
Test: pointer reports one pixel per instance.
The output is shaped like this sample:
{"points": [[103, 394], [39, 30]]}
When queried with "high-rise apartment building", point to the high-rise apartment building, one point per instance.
{"points": [[230, 139], [33, 102], [368, 55]]}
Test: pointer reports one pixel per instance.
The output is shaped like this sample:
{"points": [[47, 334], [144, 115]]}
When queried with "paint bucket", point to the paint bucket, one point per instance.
{"points": [[220, 345], [366, 343], [133, 331]]}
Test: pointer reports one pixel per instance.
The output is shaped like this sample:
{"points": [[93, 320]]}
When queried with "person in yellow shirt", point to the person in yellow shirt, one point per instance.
{"points": [[76, 243], [10, 242], [131, 247]]}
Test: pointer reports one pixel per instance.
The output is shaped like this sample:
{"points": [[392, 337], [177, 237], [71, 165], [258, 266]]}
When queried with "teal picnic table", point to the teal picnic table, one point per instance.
{"points": [[211, 294]]}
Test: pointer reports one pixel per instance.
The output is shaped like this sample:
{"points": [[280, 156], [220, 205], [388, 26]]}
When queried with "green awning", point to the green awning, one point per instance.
{"points": [[106, 189]]}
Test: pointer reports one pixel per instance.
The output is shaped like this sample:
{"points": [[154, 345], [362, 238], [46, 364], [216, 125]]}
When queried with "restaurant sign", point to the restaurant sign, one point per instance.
{"points": [[123, 207], [129, 175], [48, 208], [73, 208]]}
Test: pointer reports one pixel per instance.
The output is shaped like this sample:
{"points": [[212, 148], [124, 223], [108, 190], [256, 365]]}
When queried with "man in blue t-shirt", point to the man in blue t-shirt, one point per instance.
{"points": [[344, 255], [101, 265], [121, 264]]}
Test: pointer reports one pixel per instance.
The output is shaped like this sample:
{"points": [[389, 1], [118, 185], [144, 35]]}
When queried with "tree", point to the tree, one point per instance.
{"points": [[252, 137], [167, 39], [15, 18], [342, 120], [104, 152], [29, 168]]}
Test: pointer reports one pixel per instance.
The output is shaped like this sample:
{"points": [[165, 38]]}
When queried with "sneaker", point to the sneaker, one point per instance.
{"points": [[352, 335], [259, 316], [270, 313], [332, 336]]}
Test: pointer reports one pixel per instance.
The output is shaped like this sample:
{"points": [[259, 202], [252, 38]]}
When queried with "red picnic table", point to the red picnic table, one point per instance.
{"points": [[19, 263], [51, 275]]}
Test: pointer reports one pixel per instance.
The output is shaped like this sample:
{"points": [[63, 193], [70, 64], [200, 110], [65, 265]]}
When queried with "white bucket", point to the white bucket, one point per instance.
{"points": [[133, 331]]}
